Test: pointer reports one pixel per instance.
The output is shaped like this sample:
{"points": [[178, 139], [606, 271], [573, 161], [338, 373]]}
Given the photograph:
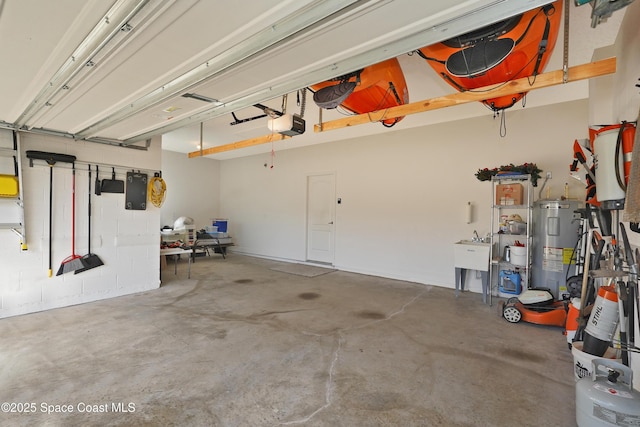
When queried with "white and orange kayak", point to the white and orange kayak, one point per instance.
{"points": [[377, 87], [514, 48]]}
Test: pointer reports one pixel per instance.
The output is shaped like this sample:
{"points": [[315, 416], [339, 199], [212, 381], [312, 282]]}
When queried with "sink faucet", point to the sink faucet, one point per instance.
{"points": [[477, 238]]}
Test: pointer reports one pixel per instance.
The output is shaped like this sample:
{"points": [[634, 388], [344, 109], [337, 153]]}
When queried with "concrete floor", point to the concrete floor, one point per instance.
{"points": [[240, 344]]}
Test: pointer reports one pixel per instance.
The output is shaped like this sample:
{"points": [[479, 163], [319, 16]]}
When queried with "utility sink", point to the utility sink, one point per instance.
{"points": [[472, 242], [472, 255]]}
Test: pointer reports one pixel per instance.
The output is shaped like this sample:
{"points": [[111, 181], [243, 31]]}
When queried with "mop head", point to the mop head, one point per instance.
{"points": [[632, 206], [72, 263]]}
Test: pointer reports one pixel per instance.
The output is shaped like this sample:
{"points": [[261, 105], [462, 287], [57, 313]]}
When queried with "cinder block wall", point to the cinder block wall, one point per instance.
{"points": [[125, 240]]}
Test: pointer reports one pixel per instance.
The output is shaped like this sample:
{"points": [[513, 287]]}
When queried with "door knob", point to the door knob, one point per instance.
{"points": [[331, 222]]}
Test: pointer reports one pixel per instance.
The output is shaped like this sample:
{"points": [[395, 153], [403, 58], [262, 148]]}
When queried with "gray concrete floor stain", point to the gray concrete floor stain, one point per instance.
{"points": [[240, 344], [308, 295]]}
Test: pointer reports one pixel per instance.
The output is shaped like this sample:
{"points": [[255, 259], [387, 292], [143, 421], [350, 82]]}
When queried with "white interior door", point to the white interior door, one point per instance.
{"points": [[320, 217]]}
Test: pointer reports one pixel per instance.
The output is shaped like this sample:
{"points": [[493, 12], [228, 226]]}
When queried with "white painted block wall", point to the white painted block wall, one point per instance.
{"points": [[126, 241]]}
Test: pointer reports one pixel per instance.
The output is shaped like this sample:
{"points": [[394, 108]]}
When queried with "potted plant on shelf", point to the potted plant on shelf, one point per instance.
{"points": [[511, 169]]}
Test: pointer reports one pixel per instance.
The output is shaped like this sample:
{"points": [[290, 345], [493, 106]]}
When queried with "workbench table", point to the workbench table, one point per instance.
{"points": [[178, 251]]}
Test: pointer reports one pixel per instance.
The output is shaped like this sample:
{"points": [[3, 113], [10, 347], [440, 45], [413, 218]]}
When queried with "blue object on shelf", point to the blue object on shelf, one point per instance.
{"points": [[510, 282], [221, 224]]}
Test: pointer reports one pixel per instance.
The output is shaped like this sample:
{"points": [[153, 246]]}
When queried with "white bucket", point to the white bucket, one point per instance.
{"points": [[582, 361], [518, 255]]}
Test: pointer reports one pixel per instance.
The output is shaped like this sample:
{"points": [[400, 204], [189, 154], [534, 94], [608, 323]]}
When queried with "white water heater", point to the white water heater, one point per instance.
{"points": [[556, 228]]}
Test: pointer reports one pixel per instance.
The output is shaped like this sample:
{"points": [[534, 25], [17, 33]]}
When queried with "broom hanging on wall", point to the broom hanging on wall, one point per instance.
{"points": [[91, 260], [51, 159], [73, 262]]}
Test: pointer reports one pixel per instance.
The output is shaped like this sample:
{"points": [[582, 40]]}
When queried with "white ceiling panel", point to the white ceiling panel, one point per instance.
{"points": [[416, 25], [35, 39], [143, 55], [173, 41]]}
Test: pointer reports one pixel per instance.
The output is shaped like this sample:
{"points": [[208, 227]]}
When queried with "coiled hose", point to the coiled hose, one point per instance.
{"points": [[157, 190]]}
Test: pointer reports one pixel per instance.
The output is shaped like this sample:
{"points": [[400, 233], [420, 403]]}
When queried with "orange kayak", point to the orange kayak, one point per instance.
{"points": [[373, 88], [517, 47]]}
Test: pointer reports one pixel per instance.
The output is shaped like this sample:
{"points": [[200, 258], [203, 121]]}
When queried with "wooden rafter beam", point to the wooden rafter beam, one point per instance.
{"points": [[240, 144], [553, 78]]}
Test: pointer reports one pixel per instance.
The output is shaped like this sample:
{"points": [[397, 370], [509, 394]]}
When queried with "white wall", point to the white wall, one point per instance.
{"points": [[127, 241], [403, 192], [193, 189]]}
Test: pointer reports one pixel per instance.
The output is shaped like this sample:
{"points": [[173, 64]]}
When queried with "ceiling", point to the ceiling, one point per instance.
{"points": [[115, 71]]}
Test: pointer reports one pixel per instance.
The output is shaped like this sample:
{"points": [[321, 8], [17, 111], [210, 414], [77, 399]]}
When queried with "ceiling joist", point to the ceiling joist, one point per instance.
{"points": [[552, 78]]}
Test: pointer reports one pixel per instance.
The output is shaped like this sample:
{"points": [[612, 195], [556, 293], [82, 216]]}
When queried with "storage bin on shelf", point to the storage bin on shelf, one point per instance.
{"points": [[213, 231], [509, 194], [518, 255], [517, 227]]}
